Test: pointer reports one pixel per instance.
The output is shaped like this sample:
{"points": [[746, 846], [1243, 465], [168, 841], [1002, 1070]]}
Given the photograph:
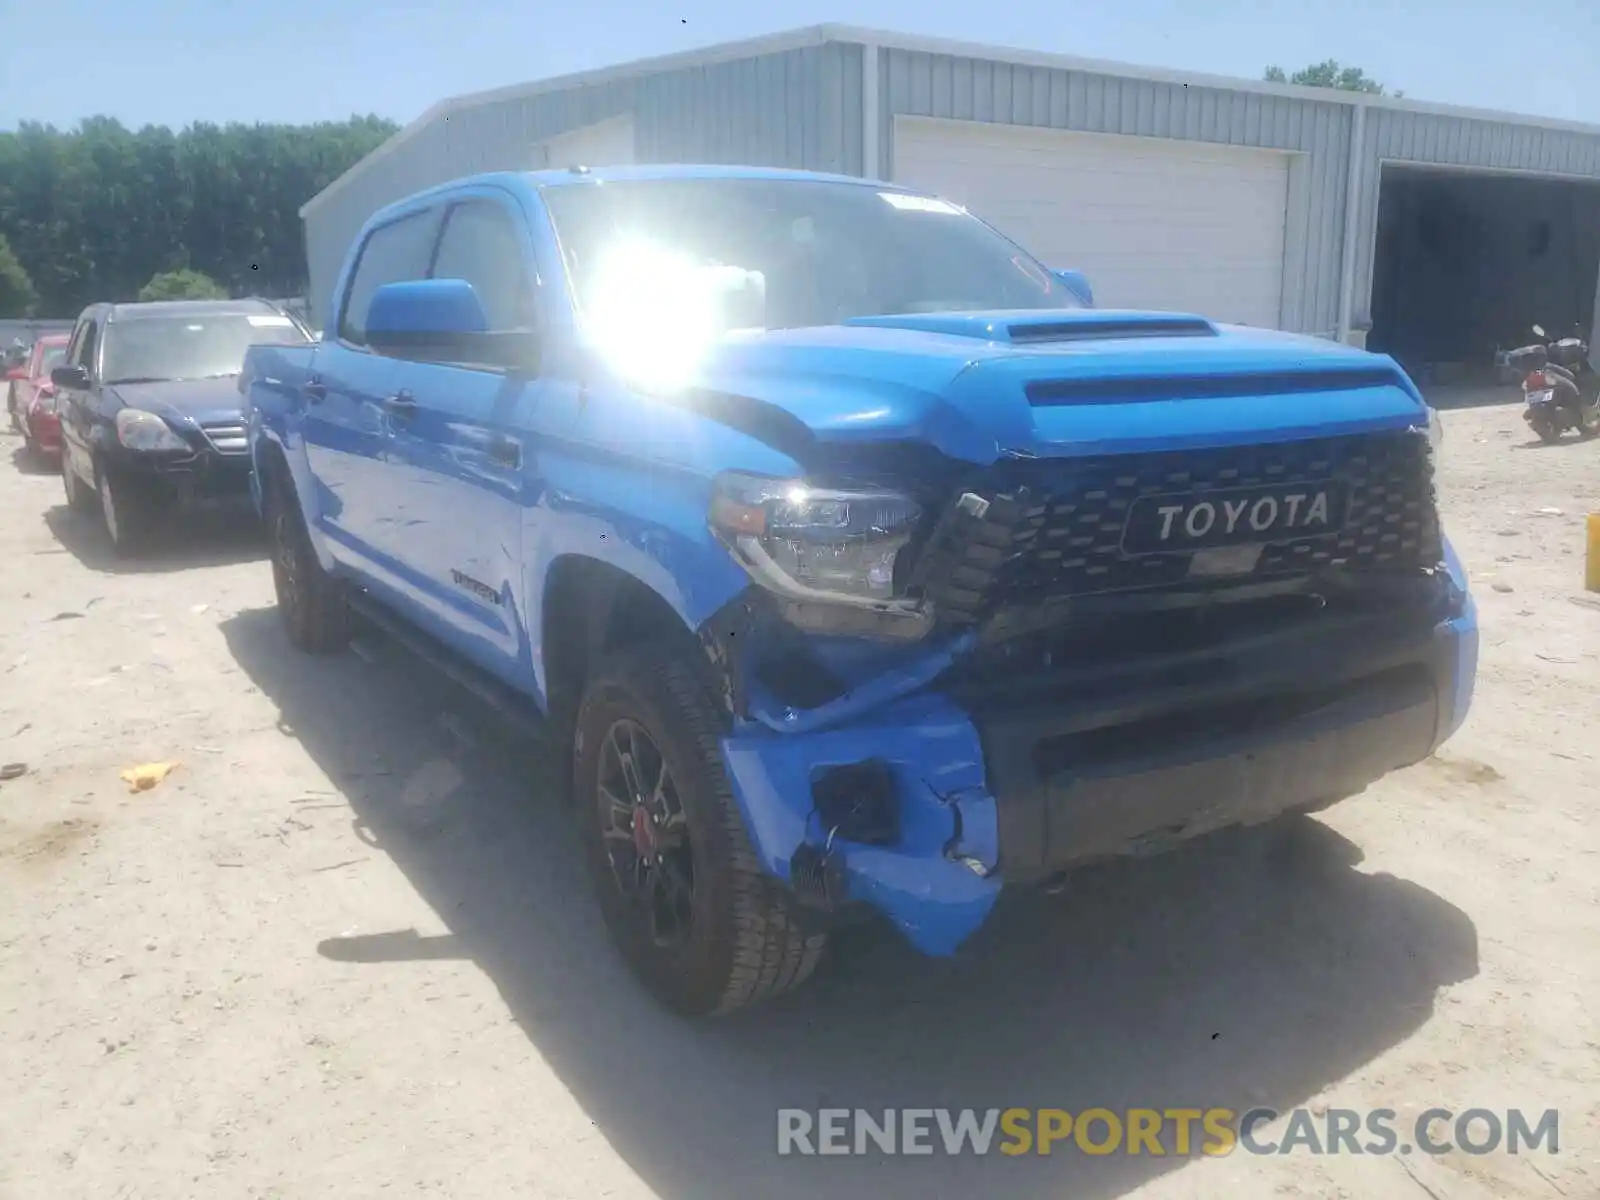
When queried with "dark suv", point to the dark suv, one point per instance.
{"points": [[151, 415]]}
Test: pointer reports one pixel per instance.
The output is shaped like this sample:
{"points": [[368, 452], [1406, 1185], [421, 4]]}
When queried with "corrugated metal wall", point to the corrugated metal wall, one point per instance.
{"points": [[804, 108], [798, 108]]}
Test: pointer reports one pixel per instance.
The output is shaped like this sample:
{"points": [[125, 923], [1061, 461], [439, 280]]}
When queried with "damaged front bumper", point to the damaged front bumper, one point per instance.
{"points": [[1013, 783]]}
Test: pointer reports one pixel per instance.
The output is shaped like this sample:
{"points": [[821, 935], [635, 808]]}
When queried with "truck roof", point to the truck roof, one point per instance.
{"points": [[533, 181], [187, 308]]}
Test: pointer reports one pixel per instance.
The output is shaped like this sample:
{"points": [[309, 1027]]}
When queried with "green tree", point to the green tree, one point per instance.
{"points": [[97, 211], [1330, 74], [17, 295], [182, 285]]}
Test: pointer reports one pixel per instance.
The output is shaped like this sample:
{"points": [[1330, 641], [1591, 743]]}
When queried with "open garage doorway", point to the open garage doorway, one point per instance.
{"points": [[1467, 262]]}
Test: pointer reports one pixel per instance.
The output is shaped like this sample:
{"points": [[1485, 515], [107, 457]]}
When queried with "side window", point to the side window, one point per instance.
{"points": [[483, 244], [391, 253], [88, 342]]}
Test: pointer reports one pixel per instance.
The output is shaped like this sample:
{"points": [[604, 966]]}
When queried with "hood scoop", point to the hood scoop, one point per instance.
{"points": [[1126, 389], [1035, 328], [1111, 326]]}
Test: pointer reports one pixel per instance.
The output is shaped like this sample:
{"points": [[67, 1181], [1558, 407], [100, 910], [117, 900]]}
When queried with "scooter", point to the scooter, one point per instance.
{"points": [[1560, 388]]}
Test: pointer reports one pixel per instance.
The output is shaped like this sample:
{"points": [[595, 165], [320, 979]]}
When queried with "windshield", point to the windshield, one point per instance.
{"points": [[199, 346], [50, 358], [824, 252]]}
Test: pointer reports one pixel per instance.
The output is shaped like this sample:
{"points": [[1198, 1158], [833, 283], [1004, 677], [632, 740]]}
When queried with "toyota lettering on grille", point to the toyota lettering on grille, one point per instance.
{"points": [[1234, 517]]}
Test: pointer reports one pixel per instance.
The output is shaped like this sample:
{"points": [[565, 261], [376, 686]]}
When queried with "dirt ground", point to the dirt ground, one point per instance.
{"points": [[346, 949]]}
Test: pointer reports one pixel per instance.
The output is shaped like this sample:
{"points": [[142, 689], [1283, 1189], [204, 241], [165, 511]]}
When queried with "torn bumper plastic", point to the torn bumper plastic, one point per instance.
{"points": [[1010, 789]]}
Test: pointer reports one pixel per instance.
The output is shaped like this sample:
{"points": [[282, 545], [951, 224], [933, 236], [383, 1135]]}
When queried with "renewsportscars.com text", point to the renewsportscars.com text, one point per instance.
{"points": [[1158, 1132]]}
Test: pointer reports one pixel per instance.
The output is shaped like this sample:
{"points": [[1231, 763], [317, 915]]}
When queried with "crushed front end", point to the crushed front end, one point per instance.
{"points": [[1047, 680]]}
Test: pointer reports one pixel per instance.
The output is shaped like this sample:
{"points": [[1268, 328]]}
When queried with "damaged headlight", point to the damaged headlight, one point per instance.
{"points": [[828, 545]]}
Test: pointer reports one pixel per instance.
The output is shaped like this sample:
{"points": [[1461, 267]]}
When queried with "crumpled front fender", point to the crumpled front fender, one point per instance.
{"points": [[929, 884]]}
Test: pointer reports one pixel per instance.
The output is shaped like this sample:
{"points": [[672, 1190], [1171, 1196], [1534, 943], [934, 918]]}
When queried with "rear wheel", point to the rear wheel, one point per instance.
{"points": [[311, 602], [1545, 428], [698, 920]]}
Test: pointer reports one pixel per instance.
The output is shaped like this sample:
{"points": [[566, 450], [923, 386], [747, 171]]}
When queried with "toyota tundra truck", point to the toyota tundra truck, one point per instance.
{"points": [[856, 566]]}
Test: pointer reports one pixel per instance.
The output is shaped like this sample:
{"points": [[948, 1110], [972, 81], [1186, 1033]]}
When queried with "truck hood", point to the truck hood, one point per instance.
{"points": [[186, 401], [978, 386]]}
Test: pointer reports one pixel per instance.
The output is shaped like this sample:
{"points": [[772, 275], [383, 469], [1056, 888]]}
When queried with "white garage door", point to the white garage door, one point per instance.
{"points": [[605, 144], [1153, 222]]}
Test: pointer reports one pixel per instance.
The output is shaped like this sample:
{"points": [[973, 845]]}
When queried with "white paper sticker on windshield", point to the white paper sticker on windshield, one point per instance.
{"points": [[927, 204], [272, 322]]}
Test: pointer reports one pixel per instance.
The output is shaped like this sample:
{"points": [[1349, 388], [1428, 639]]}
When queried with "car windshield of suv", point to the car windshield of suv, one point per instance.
{"points": [[194, 346], [50, 358], [819, 252]]}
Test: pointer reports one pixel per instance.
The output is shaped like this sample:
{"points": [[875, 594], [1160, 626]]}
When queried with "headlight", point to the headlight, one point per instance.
{"points": [[45, 402], [810, 543], [140, 430], [1435, 427]]}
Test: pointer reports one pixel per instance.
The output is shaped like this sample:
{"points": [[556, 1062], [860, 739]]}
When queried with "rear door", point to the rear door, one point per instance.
{"points": [[347, 396], [458, 456]]}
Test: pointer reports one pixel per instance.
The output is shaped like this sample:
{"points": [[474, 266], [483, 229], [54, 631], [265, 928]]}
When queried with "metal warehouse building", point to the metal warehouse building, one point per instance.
{"points": [[1447, 231]]}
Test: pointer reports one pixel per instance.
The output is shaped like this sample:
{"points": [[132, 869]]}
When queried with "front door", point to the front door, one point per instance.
{"points": [[76, 405], [347, 397], [459, 448]]}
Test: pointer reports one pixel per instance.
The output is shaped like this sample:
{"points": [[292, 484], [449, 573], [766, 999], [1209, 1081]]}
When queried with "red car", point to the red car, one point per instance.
{"points": [[33, 396]]}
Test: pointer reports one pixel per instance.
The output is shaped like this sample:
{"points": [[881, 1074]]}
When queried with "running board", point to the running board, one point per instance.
{"points": [[510, 705]]}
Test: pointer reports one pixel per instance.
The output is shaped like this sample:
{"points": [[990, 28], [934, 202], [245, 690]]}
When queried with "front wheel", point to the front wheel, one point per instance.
{"points": [[311, 602], [129, 514], [695, 916], [79, 498]]}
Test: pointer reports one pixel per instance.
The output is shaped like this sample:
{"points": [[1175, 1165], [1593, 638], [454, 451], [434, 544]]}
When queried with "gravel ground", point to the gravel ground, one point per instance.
{"points": [[346, 949]]}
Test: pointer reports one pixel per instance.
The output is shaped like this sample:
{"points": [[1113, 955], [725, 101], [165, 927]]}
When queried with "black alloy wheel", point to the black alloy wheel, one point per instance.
{"points": [[646, 833]]}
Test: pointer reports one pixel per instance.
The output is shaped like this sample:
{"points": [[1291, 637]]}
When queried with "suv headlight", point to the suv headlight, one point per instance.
{"points": [[140, 430], [828, 545]]}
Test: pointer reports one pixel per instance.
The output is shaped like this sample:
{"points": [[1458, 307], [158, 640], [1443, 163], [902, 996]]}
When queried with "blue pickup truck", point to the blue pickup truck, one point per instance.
{"points": [[856, 565]]}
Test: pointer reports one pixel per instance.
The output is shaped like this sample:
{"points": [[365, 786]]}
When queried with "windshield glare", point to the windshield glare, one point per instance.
{"points": [[52, 357], [189, 347], [828, 252]]}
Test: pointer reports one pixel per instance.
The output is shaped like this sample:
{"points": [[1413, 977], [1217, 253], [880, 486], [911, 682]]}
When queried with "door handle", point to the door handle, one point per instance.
{"points": [[505, 451], [316, 391], [402, 404]]}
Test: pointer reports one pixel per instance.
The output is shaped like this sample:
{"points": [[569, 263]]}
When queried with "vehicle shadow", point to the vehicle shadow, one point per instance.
{"points": [[207, 539], [27, 463], [1538, 443], [1203, 978]]}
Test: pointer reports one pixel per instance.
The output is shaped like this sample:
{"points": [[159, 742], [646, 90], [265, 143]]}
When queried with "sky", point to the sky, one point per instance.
{"points": [[176, 61]]}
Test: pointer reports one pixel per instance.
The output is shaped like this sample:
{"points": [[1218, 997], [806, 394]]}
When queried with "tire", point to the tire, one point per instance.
{"points": [[1546, 429], [79, 498], [128, 514], [311, 602], [745, 940]]}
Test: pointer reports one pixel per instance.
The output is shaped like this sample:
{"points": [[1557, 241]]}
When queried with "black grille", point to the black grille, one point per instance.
{"points": [[1029, 531]]}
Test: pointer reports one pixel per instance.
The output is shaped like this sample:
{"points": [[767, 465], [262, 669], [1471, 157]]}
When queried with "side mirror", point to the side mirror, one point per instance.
{"points": [[1077, 283], [73, 378], [1538, 331], [442, 320]]}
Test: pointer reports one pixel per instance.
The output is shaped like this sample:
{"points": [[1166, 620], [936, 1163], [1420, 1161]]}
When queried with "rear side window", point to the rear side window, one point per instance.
{"points": [[392, 253], [483, 245]]}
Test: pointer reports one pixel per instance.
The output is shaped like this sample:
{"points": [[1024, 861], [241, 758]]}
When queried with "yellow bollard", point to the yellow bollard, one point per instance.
{"points": [[1591, 554]]}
